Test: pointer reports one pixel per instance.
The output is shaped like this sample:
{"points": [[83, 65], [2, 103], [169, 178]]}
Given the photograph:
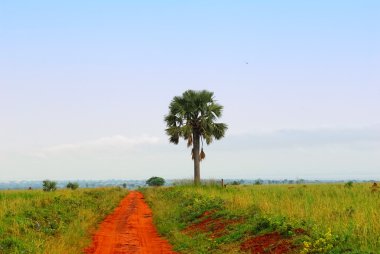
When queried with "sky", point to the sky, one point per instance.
{"points": [[85, 85]]}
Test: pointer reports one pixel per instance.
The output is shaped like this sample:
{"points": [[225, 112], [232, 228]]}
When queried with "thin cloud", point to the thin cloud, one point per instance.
{"points": [[117, 143], [359, 138]]}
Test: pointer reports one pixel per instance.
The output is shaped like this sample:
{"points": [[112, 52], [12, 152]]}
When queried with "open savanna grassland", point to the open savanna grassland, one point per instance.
{"points": [[58, 222], [321, 218]]}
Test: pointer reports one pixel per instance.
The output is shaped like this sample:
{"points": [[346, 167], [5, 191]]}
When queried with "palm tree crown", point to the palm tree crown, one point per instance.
{"points": [[192, 117]]}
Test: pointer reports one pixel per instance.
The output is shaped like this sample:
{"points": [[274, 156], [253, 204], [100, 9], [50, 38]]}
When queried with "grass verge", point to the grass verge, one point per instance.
{"points": [[325, 218], [53, 222]]}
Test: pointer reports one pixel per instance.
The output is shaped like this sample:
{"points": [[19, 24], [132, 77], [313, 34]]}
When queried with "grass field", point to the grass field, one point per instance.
{"points": [[57, 222], [323, 218]]}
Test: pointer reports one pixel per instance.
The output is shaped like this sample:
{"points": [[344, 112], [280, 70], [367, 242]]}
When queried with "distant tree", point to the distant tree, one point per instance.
{"points": [[259, 182], [192, 117], [300, 181], [349, 184], [124, 185], [155, 181], [48, 185], [72, 186], [235, 183]]}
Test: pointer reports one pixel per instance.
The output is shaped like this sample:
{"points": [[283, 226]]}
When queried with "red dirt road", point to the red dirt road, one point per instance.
{"points": [[129, 229]]}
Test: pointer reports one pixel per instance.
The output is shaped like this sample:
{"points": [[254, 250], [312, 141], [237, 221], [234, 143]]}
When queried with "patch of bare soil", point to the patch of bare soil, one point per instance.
{"points": [[273, 243], [207, 224]]}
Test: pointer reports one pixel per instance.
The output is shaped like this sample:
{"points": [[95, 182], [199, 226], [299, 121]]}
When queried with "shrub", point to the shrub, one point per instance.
{"points": [[324, 244], [349, 184], [72, 186], [12, 245], [48, 185], [259, 182], [155, 181]]}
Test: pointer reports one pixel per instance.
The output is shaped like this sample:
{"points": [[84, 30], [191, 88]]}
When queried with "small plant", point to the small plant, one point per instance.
{"points": [[48, 185], [155, 181], [324, 244], [72, 186], [349, 184]]}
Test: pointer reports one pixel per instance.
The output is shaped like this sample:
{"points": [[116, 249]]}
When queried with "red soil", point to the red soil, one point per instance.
{"points": [[129, 229], [206, 224], [272, 243]]}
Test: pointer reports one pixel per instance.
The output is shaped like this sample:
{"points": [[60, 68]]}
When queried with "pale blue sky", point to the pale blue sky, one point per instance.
{"points": [[84, 87]]}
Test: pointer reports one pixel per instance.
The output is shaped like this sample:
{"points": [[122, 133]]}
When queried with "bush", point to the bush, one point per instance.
{"points": [[259, 182], [324, 244], [349, 184], [155, 181], [48, 185], [72, 186]]}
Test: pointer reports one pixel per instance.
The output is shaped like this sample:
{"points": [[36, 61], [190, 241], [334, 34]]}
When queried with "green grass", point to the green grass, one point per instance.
{"points": [[337, 219], [53, 222]]}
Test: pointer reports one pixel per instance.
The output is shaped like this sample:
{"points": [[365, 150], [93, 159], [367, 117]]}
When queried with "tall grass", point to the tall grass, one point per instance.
{"points": [[352, 214], [53, 222]]}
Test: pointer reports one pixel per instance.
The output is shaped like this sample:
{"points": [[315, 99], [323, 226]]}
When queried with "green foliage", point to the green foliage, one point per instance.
{"points": [[323, 244], [48, 185], [193, 206], [349, 184], [13, 245], [155, 181], [259, 182], [194, 112], [72, 186], [193, 117], [39, 222]]}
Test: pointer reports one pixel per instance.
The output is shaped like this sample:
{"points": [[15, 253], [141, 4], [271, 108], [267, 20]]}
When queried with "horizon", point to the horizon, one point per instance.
{"points": [[203, 180], [84, 88], [133, 184]]}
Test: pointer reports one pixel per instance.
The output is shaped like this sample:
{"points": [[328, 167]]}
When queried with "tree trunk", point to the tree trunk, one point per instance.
{"points": [[197, 170]]}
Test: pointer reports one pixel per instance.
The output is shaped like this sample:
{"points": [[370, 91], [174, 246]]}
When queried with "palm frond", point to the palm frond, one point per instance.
{"points": [[219, 130], [174, 134], [195, 112]]}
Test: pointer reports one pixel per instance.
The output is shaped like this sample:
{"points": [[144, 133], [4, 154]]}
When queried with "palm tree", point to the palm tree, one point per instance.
{"points": [[192, 117]]}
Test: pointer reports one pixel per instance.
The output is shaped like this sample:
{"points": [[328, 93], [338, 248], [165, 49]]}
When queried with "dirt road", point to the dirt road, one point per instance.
{"points": [[129, 229]]}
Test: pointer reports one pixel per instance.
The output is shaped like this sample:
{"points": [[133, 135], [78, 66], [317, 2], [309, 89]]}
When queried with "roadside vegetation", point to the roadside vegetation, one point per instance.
{"points": [[73, 186], [58, 222], [155, 181], [48, 185], [323, 218]]}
